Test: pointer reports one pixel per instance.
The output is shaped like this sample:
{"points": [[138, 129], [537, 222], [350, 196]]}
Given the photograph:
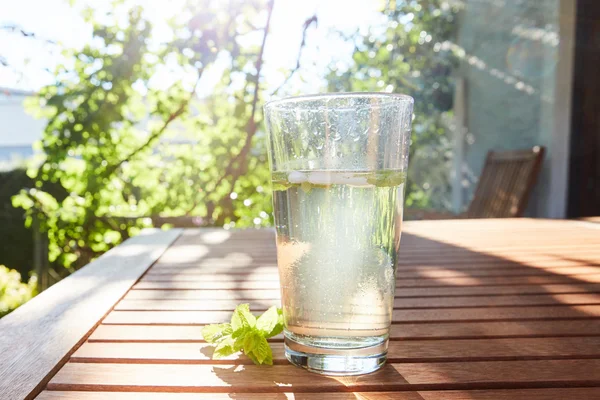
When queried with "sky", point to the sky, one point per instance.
{"points": [[31, 61]]}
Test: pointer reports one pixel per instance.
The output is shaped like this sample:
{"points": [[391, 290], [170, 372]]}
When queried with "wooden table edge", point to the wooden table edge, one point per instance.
{"points": [[38, 338]]}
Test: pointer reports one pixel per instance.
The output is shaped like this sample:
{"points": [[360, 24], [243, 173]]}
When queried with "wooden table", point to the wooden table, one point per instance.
{"points": [[484, 309], [591, 219]]}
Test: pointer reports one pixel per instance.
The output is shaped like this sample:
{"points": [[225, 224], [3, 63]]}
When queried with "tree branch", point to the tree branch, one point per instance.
{"points": [[251, 126], [173, 116], [24, 33], [307, 24], [180, 110]]}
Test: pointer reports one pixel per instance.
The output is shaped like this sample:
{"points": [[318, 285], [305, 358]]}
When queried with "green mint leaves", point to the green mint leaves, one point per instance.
{"points": [[246, 333]]}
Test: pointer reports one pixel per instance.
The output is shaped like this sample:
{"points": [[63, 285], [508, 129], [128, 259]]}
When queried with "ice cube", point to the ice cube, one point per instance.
{"points": [[296, 177], [320, 178]]}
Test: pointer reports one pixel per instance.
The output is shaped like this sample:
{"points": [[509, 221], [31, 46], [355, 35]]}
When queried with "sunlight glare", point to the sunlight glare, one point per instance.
{"points": [[449, 276], [215, 237], [184, 254]]}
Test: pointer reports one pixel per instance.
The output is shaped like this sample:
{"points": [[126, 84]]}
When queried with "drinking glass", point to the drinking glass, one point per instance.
{"points": [[338, 164]]}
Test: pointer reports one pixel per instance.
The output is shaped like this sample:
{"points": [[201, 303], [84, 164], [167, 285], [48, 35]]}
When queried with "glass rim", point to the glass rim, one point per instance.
{"points": [[394, 97]]}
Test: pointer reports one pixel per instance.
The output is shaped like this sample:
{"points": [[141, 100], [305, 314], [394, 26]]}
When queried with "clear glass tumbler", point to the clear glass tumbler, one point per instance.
{"points": [[338, 165]]}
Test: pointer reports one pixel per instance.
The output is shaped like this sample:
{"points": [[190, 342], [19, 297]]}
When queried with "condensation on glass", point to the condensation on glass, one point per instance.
{"points": [[338, 169]]}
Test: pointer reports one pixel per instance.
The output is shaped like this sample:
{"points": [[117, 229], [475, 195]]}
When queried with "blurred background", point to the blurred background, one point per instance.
{"points": [[121, 115]]}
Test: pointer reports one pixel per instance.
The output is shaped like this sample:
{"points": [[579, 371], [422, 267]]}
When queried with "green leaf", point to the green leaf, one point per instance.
{"points": [[281, 186], [224, 349], [242, 318], [262, 351], [238, 343], [250, 341], [387, 178], [271, 322], [246, 334], [253, 358], [215, 332], [306, 187]]}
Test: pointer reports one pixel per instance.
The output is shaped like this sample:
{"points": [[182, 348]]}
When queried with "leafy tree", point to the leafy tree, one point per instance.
{"points": [[191, 156], [16, 241], [13, 292], [406, 56]]}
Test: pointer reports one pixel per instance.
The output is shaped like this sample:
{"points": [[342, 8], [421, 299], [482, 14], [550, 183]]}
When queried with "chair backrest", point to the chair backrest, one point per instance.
{"points": [[505, 183]]}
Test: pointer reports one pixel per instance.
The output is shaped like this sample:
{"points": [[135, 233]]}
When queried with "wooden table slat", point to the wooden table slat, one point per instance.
{"points": [[399, 316], [219, 266], [515, 394], [400, 284], [430, 331], [398, 351], [166, 304], [425, 273], [279, 378], [463, 291]]}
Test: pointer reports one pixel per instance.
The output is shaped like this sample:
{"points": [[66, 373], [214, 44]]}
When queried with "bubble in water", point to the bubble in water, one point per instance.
{"points": [[336, 264]]}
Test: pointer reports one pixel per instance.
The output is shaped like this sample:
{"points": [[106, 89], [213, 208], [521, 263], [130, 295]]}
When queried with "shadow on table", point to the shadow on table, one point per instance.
{"points": [[427, 268], [518, 269], [289, 382], [560, 280]]}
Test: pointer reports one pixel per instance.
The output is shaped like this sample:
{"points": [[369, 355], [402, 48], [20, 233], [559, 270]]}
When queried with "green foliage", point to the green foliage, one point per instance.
{"points": [[124, 146], [246, 333], [13, 292], [271, 322], [406, 57], [16, 240]]}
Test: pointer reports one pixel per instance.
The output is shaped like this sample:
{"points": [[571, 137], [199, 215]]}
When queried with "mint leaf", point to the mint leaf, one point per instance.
{"points": [[238, 343], [387, 178], [224, 349], [250, 341], [269, 358], [306, 187], [245, 333], [262, 351], [214, 333], [253, 358], [271, 322], [242, 318]]}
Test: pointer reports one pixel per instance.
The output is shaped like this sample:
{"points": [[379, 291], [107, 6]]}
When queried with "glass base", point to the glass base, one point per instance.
{"points": [[335, 360]]}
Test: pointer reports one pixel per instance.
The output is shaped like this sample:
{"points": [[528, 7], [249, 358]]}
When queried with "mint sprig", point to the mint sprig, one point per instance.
{"points": [[245, 333]]}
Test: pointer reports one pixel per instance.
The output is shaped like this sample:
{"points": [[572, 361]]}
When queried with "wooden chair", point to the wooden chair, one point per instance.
{"points": [[504, 186]]}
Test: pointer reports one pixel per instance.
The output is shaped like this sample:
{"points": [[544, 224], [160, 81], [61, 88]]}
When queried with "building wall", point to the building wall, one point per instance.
{"points": [[18, 130]]}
